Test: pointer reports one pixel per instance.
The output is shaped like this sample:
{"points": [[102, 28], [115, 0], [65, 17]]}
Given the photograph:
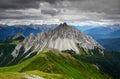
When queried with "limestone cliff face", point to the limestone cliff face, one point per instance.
{"points": [[66, 37]]}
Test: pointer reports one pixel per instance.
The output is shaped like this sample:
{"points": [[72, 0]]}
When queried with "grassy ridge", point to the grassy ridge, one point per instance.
{"points": [[61, 66]]}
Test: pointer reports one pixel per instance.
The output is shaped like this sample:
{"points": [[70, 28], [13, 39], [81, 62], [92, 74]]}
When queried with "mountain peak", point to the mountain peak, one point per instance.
{"points": [[63, 25], [18, 36], [64, 37]]}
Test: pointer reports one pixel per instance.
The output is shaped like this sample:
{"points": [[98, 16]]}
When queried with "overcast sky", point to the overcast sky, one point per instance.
{"points": [[83, 12]]}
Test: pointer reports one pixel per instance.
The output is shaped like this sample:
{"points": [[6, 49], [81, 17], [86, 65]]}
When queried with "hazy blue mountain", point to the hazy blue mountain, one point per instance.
{"points": [[6, 30], [107, 36], [112, 44], [115, 34], [99, 32], [83, 28]]}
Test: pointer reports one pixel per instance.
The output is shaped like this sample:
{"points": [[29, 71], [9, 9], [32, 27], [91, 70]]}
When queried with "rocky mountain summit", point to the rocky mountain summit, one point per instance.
{"points": [[62, 38]]}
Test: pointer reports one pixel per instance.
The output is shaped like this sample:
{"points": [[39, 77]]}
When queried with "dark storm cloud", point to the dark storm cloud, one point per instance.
{"points": [[70, 10], [107, 9], [51, 12], [106, 6], [21, 4], [22, 17], [16, 14], [18, 4]]}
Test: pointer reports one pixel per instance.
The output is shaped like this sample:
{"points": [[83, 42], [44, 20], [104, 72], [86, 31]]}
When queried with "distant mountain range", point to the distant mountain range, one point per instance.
{"points": [[6, 30], [99, 33], [107, 36]]}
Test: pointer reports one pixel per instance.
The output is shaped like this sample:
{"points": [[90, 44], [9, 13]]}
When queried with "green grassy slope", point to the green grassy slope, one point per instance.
{"points": [[109, 63], [56, 65], [5, 52], [6, 47]]}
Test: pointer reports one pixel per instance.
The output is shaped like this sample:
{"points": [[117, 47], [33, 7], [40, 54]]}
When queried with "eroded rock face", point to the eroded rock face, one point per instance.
{"points": [[66, 34], [63, 37]]}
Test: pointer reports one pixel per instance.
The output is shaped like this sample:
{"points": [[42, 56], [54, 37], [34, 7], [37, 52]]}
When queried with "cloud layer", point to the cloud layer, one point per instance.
{"points": [[56, 11]]}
